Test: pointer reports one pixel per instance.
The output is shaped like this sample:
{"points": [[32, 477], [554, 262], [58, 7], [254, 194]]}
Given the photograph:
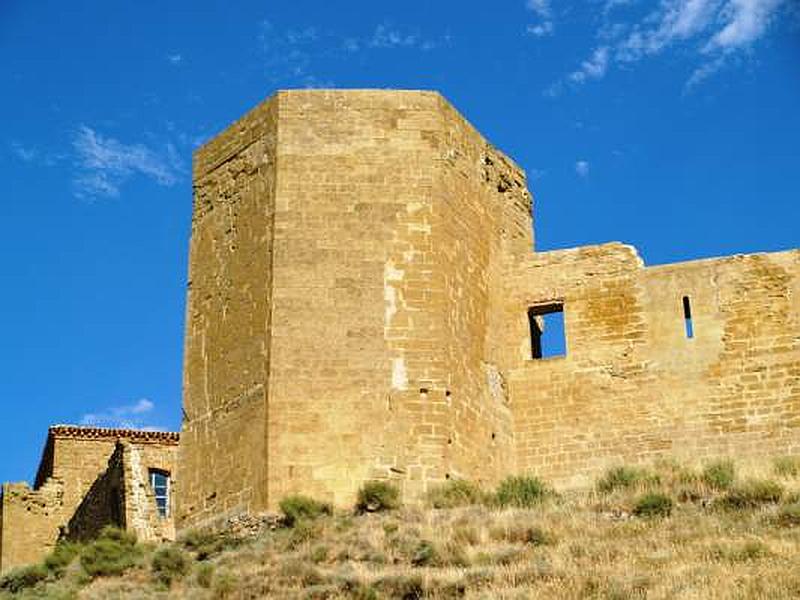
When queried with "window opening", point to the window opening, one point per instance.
{"points": [[159, 481], [687, 317], [548, 338]]}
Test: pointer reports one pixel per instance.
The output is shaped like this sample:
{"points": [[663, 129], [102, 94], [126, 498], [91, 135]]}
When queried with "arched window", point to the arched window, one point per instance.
{"points": [[159, 481]]}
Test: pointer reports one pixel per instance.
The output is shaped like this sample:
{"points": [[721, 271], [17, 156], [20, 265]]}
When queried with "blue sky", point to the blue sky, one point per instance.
{"points": [[671, 125]]}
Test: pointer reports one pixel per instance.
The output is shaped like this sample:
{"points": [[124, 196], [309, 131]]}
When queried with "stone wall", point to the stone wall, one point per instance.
{"points": [[633, 386], [223, 452]]}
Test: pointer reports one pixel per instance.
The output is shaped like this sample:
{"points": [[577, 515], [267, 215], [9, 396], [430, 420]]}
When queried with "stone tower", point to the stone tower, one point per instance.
{"points": [[345, 245]]}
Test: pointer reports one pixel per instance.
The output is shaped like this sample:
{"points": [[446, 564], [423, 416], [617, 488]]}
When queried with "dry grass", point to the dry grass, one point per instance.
{"points": [[584, 544]]}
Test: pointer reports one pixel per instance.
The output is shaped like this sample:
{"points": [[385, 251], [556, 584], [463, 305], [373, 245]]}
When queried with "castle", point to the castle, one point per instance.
{"points": [[365, 302]]}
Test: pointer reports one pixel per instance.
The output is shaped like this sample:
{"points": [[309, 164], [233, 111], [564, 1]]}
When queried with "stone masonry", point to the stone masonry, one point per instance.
{"points": [[363, 294]]}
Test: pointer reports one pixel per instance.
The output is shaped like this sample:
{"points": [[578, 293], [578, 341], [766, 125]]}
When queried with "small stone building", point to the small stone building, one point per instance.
{"points": [[88, 478]]}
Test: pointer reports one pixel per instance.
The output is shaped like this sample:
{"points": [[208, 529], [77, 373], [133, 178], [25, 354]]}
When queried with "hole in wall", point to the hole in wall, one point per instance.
{"points": [[548, 335], [423, 390], [687, 317]]}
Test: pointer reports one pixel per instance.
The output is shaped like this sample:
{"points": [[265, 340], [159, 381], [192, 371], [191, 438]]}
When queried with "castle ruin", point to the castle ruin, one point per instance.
{"points": [[366, 302]]}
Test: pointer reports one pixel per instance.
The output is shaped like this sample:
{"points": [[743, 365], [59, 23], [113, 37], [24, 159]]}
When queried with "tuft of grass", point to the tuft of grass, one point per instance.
{"points": [[653, 505], [789, 515], [425, 554], [406, 586], [454, 493], [206, 544], [786, 466], [625, 478], [749, 551], [376, 496], [521, 492], [752, 493], [719, 474], [112, 553], [204, 576], [298, 507], [170, 563], [21, 578]]}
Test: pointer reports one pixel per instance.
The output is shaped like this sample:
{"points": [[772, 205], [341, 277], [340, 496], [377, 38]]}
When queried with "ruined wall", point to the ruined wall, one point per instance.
{"points": [[632, 385], [223, 450], [29, 522]]}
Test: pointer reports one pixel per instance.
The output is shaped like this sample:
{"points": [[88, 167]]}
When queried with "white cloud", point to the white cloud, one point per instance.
{"points": [[175, 59], [24, 153], [747, 20], [712, 30], [542, 10], [593, 68], [582, 168], [128, 416], [104, 164]]}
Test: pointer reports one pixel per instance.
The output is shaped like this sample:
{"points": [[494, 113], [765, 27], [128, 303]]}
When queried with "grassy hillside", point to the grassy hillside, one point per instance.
{"points": [[661, 532]]}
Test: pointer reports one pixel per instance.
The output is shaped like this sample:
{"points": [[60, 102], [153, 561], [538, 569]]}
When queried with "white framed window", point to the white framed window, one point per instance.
{"points": [[160, 482]]}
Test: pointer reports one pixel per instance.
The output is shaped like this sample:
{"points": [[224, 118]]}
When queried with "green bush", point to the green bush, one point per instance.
{"points": [[169, 564], [624, 477], [61, 557], [456, 492], [787, 466], [112, 553], [789, 515], [23, 577], [753, 493], [375, 496], [653, 505], [296, 508], [522, 492], [720, 474]]}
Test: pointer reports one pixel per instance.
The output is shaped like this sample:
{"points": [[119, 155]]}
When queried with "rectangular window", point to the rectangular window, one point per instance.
{"points": [[548, 338], [687, 317], [159, 481]]}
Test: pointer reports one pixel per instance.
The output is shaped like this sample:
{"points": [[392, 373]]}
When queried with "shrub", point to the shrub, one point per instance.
{"points": [[787, 466], [624, 477], [522, 492], [789, 515], [456, 492], [720, 474], [375, 496], [753, 493], [23, 577], [112, 553], [296, 508], [653, 505], [61, 557], [169, 564]]}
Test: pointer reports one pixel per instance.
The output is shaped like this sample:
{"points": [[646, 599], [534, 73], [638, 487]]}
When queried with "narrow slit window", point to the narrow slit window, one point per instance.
{"points": [[687, 317], [159, 481], [548, 338]]}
